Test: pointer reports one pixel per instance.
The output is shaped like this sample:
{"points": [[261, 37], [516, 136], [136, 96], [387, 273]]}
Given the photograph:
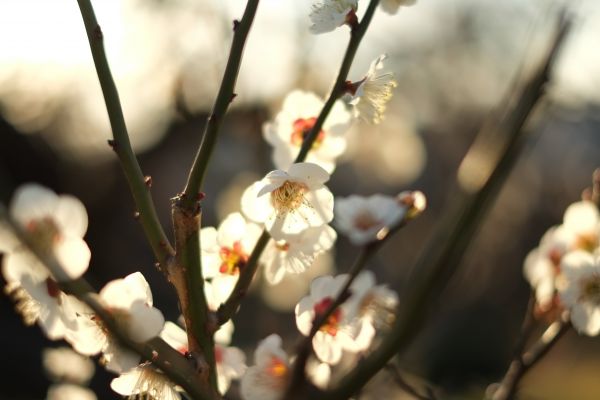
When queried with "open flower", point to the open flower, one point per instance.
{"points": [[326, 15], [145, 381], [370, 95], [580, 231], [579, 290], [268, 378], [392, 6], [293, 123], [226, 250], [55, 225], [290, 202], [367, 219], [295, 253], [129, 301], [342, 330]]}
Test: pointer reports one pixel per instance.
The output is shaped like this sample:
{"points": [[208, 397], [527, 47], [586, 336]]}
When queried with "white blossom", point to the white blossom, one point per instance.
{"points": [[295, 120], [69, 391], [367, 219], [55, 225], [370, 95], [290, 202], [342, 330], [296, 253], [392, 6], [268, 377], [579, 290], [327, 15], [129, 301], [63, 364], [145, 381]]}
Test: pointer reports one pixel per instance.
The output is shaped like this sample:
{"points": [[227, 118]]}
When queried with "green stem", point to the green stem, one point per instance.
{"points": [[163, 356], [356, 36], [121, 144], [224, 98], [444, 252]]}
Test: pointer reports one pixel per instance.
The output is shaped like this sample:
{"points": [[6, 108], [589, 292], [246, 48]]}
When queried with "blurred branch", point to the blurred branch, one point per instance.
{"points": [[163, 356], [138, 184], [226, 95], [524, 362], [356, 36], [407, 387], [442, 256]]}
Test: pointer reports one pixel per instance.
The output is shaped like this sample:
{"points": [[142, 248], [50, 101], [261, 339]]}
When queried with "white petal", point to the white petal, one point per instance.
{"points": [[74, 255], [32, 201], [256, 208], [308, 173], [145, 322], [71, 216]]}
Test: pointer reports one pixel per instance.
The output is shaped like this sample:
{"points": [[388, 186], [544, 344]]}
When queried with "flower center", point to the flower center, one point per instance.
{"points": [[277, 368], [232, 259], [590, 289], [282, 245], [288, 197], [218, 354], [365, 221], [587, 242], [300, 130], [44, 233], [331, 326], [380, 309]]}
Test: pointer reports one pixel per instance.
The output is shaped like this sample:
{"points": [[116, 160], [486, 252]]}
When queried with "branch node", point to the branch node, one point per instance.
{"points": [[113, 144], [136, 215], [148, 181], [236, 23], [98, 35]]}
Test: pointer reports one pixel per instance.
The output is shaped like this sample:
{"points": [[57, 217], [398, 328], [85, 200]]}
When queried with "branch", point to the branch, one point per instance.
{"points": [[224, 98], [163, 356], [443, 254], [524, 362], [356, 36], [230, 307], [305, 347], [407, 387], [138, 184]]}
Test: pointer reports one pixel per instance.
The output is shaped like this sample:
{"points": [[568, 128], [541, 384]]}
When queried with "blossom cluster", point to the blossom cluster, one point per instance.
{"points": [[564, 270], [291, 207]]}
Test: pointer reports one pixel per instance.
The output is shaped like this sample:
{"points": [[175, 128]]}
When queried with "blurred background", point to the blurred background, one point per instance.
{"points": [[454, 61]]}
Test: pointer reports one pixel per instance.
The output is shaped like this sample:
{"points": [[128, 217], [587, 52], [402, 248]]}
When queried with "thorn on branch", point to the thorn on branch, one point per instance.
{"points": [[200, 196], [236, 23], [98, 35], [112, 144], [148, 181], [162, 243], [233, 96]]}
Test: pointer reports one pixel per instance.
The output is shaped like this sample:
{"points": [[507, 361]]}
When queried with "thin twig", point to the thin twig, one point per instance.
{"points": [[442, 256], [138, 184], [356, 36], [305, 346], [163, 356], [407, 387], [224, 98], [232, 304], [230, 307], [522, 363]]}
